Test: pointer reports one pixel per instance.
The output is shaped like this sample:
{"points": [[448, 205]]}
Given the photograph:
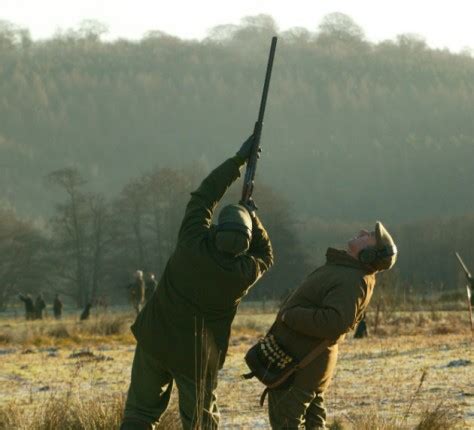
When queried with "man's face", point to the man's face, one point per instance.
{"points": [[361, 241]]}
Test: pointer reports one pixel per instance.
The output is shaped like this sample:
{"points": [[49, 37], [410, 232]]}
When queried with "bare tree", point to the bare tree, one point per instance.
{"points": [[166, 199], [69, 227], [99, 240], [130, 213]]}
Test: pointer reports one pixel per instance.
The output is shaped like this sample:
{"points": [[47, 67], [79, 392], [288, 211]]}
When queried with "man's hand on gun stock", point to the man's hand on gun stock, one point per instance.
{"points": [[250, 206]]}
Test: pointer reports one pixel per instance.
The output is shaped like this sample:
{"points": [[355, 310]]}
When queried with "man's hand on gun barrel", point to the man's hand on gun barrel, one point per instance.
{"points": [[245, 150]]}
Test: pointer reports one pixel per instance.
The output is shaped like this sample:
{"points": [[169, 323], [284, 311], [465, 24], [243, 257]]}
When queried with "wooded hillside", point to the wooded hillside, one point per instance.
{"points": [[346, 118], [354, 132]]}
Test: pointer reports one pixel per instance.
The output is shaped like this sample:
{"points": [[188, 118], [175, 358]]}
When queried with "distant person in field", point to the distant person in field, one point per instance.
{"points": [[40, 306], [329, 303], [86, 313], [136, 291], [102, 303], [29, 306], [361, 330], [150, 285], [57, 307], [183, 331]]}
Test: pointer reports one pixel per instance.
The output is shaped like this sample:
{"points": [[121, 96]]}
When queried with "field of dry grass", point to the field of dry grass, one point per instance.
{"points": [[417, 372]]}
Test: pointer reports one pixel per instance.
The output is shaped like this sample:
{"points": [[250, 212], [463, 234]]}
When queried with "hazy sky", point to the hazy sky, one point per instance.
{"points": [[443, 23]]}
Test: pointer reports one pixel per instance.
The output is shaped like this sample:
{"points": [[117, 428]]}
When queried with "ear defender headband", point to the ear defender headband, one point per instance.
{"points": [[235, 226], [371, 254]]}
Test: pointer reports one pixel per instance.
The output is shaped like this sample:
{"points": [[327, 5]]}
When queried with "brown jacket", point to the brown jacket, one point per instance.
{"points": [[329, 303]]}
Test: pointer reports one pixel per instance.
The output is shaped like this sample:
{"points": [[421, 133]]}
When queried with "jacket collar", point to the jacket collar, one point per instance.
{"points": [[342, 258]]}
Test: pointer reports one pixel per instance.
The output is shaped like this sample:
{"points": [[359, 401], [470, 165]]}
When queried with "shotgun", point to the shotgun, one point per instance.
{"points": [[257, 132]]}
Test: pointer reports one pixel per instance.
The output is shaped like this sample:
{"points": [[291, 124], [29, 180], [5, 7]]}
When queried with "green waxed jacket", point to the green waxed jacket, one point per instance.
{"points": [[329, 303], [186, 324]]}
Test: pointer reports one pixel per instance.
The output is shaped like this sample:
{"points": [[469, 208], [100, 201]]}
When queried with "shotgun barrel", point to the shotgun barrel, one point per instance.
{"points": [[257, 132]]}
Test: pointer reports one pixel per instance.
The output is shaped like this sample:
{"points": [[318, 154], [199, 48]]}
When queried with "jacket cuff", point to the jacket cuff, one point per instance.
{"points": [[239, 160]]}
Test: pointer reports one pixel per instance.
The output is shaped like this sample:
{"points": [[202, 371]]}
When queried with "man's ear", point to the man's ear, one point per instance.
{"points": [[368, 255]]}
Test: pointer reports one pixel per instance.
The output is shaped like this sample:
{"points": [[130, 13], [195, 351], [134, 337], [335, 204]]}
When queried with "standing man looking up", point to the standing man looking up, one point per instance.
{"points": [[329, 303], [29, 306], [40, 306], [150, 285], [183, 331], [136, 291]]}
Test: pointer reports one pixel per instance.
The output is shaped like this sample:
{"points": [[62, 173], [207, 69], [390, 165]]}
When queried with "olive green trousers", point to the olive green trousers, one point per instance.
{"points": [[293, 409], [150, 391]]}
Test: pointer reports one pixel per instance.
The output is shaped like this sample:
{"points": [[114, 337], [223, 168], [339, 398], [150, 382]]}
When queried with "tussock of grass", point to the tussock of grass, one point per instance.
{"points": [[107, 325], [435, 315], [404, 319], [337, 425], [441, 417], [76, 414], [67, 412], [10, 416], [246, 325], [6, 338], [373, 421], [444, 329], [170, 419], [59, 332]]}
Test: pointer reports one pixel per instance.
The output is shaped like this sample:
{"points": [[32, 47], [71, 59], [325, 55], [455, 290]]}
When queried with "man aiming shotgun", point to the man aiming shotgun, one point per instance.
{"points": [[469, 288], [183, 331]]}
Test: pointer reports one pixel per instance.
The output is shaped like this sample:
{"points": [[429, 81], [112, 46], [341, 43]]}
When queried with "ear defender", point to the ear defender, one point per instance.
{"points": [[371, 254], [368, 255]]}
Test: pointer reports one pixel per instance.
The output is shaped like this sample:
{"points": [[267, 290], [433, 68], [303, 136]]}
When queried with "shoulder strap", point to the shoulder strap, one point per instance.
{"points": [[313, 354]]}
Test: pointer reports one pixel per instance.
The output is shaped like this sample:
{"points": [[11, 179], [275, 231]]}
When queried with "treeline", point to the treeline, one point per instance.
{"points": [[346, 118], [92, 244]]}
